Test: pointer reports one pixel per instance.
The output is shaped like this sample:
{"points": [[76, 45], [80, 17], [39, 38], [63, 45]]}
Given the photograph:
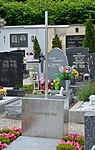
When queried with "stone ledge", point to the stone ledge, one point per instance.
{"points": [[33, 143], [77, 116]]}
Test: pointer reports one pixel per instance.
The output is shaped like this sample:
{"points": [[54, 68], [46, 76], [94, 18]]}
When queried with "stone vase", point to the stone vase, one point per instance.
{"points": [[67, 83]]}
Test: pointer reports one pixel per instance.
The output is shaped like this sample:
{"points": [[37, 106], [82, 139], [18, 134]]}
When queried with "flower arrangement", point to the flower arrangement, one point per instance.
{"points": [[42, 81], [71, 142], [3, 90], [56, 81], [8, 135], [66, 73]]}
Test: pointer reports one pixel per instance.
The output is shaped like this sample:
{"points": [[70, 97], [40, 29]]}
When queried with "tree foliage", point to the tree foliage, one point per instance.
{"points": [[89, 39], [56, 42], [21, 12]]}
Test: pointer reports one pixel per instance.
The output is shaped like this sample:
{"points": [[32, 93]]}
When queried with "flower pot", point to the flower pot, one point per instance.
{"points": [[56, 87], [43, 87], [67, 83]]}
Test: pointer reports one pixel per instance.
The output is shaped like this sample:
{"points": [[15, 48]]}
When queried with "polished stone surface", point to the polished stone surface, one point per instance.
{"points": [[89, 122]]}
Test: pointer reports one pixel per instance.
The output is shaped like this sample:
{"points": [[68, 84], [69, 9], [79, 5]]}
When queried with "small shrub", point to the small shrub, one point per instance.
{"points": [[71, 142], [15, 133], [56, 42], [65, 147], [80, 140], [28, 86], [85, 91], [37, 92], [5, 131]]}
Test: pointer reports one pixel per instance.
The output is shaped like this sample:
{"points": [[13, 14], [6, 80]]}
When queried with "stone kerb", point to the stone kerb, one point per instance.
{"points": [[76, 115]]}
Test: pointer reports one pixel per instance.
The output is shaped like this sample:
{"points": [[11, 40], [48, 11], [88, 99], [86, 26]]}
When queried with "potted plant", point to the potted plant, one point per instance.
{"points": [[56, 83], [42, 82], [28, 88], [67, 73]]}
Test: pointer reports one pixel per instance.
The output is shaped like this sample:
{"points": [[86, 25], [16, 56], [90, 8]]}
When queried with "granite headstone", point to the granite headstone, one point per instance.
{"points": [[76, 56], [90, 64], [89, 125], [74, 40], [11, 69], [56, 59]]}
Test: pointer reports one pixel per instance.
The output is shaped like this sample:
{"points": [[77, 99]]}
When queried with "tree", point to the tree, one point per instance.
{"points": [[56, 42], [89, 39], [36, 48]]}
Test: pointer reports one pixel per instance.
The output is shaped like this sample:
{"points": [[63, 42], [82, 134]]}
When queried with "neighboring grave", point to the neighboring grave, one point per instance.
{"points": [[74, 40], [76, 56], [11, 69], [90, 64], [56, 59], [89, 122]]}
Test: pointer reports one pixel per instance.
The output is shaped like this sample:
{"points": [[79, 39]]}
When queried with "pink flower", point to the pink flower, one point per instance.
{"points": [[74, 135], [76, 144], [4, 145], [18, 130], [42, 80]]}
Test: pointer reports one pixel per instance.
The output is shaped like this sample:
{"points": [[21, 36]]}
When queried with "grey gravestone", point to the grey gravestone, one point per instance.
{"points": [[90, 64], [56, 59], [76, 56], [11, 69], [89, 122]]}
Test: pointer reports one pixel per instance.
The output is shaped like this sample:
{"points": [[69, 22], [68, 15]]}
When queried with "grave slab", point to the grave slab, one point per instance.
{"points": [[14, 110], [77, 112], [7, 100], [33, 143]]}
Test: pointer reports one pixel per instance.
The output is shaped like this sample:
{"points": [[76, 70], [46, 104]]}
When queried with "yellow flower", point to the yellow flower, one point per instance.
{"points": [[3, 91], [75, 72], [56, 81]]}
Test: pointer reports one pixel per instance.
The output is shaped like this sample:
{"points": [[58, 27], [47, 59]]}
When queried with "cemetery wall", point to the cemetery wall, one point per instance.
{"points": [[9, 34]]}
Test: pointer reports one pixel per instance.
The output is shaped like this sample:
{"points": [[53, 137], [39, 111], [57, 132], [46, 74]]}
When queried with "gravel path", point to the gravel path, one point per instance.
{"points": [[72, 127]]}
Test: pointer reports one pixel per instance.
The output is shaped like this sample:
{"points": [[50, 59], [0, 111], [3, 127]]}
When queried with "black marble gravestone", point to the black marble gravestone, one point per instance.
{"points": [[19, 51], [90, 64], [74, 40], [56, 59], [11, 69], [76, 56]]}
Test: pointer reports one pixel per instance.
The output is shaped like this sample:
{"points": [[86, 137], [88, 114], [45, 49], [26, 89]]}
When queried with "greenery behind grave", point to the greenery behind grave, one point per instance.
{"points": [[60, 12], [85, 91]]}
